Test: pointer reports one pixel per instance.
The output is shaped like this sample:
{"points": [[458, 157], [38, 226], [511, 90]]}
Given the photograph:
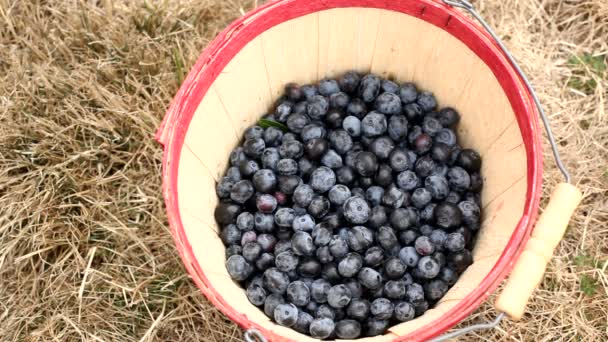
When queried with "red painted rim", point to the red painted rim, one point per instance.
{"points": [[215, 57]]}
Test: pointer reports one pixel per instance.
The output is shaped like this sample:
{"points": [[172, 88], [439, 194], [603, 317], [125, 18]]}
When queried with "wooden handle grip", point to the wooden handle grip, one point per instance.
{"points": [[530, 268]]}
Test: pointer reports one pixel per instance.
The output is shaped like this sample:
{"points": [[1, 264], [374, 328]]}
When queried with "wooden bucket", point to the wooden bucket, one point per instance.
{"points": [[242, 72]]}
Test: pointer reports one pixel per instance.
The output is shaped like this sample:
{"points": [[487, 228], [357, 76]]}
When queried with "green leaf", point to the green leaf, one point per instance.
{"points": [[588, 285], [583, 260], [265, 123]]}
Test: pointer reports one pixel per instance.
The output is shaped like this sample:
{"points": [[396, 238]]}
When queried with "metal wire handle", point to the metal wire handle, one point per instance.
{"points": [[464, 4], [254, 335]]}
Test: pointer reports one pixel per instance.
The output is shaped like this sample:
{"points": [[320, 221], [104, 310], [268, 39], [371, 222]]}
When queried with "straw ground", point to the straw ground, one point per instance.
{"points": [[85, 253]]}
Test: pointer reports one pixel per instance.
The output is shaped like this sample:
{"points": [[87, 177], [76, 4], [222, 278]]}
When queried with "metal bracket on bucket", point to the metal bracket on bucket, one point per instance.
{"points": [[254, 335]]}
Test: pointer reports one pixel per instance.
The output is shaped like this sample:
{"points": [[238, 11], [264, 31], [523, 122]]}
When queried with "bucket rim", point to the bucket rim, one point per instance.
{"points": [[232, 39]]}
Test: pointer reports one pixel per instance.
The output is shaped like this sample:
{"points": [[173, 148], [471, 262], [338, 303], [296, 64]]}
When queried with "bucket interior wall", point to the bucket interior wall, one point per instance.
{"points": [[325, 44]]}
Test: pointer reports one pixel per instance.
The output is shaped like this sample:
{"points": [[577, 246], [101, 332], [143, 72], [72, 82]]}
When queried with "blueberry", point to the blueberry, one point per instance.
{"points": [[394, 268], [360, 238], [328, 86], [427, 213], [431, 126], [283, 110], [427, 102], [447, 215], [382, 147], [352, 125], [438, 186], [414, 293], [409, 256], [448, 275], [421, 197], [414, 132], [374, 256], [286, 314], [318, 207], [339, 296], [459, 179], [424, 246], [369, 88], [256, 294], [331, 159], [378, 217], [264, 222], [399, 160], [325, 311], [382, 308], [386, 237], [248, 167], [435, 289], [348, 329], [421, 308], [408, 92], [355, 288], [298, 293], [286, 261], [375, 327], [293, 92], [334, 118], [265, 180], [440, 258], [476, 182], [245, 221], [374, 124], [470, 213], [448, 117], [384, 175], [424, 166], [397, 127], [356, 210], [238, 268], [333, 220], [292, 149], [254, 147], [242, 191], [345, 175], [340, 141], [403, 218], [358, 309], [309, 268], [287, 167], [230, 234], [270, 158], [322, 328], [275, 281], [349, 81], [339, 100], [233, 174], [309, 90], [296, 122], [373, 195], [394, 289], [423, 143], [302, 244], [317, 107], [445, 136], [358, 192], [284, 217], [233, 250], [253, 132], [303, 323], [428, 267], [271, 302], [338, 246], [426, 229], [459, 261], [287, 185], [370, 278], [303, 223], [438, 238], [393, 197], [412, 111], [224, 187], [350, 265], [266, 203], [303, 195], [470, 160], [338, 194], [237, 156], [408, 237], [251, 250], [265, 261], [322, 179], [404, 312], [454, 155], [440, 152], [356, 108], [408, 180], [388, 103]]}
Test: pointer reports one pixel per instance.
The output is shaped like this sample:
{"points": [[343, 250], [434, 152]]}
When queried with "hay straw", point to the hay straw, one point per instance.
{"points": [[85, 253]]}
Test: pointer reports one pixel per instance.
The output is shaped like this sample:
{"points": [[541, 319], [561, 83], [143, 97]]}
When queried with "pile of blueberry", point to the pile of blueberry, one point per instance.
{"points": [[351, 208]]}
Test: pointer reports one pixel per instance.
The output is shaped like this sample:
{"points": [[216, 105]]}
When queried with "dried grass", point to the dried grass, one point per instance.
{"points": [[85, 253]]}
